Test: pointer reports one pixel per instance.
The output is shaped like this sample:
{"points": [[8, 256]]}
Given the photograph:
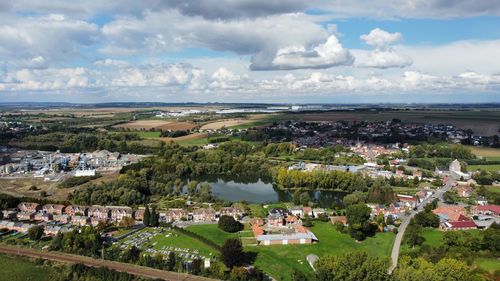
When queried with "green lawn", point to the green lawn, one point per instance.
{"points": [[491, 168], [17, 269], [280, 261], [148, 134], [488, 264], [492, 188], [212, 232]]}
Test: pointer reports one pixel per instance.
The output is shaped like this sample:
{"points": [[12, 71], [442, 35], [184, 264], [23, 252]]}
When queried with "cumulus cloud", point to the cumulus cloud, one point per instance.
{"points": [[38, 41], [328, 54], [383, 55]]}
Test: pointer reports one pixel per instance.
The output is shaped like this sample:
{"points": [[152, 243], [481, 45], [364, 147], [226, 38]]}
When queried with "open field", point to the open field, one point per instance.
{"points": [[192, 139], [491, 168], [481, 122], [13, 268], [212, 232], [19, 187], [157, 125], [225, 124], [487, 152], [280, 261]]}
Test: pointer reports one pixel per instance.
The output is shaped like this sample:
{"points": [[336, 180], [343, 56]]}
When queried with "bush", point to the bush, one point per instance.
{"points": [[229, 224]]}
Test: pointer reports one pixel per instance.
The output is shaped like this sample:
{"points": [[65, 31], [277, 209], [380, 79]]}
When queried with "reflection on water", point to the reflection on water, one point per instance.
{"points": [[261, 192]]}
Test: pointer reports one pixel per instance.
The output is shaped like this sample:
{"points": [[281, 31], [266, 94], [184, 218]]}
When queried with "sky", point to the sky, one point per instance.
{"points": [[278, 51]]}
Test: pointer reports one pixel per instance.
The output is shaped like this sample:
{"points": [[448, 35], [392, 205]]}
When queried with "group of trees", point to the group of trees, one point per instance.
{"points": [[151, 218], [427, 218], [441, 150], [358, 219], [340, 180], [418, 269], [85, 241], [229, 224]]}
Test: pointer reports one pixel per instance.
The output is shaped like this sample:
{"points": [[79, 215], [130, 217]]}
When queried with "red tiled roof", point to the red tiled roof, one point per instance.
{"points": [[491, 208], [461, 224]]}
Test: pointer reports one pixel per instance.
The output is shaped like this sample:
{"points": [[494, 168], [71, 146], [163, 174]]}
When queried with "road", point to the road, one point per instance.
{"points": [[406, 220], [118, 266]]}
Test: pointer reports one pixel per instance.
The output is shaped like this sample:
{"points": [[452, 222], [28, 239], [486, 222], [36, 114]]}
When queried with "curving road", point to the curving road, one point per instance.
{"points": [[406, 220], [118, 266]]}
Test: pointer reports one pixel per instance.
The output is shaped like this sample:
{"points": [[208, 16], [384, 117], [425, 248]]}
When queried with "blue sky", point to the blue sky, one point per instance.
{"points": [[250, 51]]}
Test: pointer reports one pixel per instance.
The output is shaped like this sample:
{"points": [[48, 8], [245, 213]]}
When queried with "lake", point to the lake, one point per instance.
{"points": [[261, 192]]}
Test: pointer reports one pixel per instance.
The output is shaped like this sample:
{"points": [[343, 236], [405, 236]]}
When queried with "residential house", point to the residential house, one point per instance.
{"points": [[43, 216], [308, 211], [98, 212], [449, 212], [9, 214], [118, 213], [201, 215], [55, 209], [408, 201], [423, 194], [257, 221], [236, 213], [340, 219], [464, 191], [176, 215], [275, 220], [26, 216], [63, 218], [139, 214], [292, 220], [80, 220], [76, 210], [297, 211], [318, 212], [488, 210], [28, 207]]}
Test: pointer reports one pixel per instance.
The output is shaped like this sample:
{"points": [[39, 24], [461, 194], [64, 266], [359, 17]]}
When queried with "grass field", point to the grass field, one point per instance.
{"points": [[212, 232], [491, 168], [280, 261], [489, 264], [17, 269], [487, 152]]}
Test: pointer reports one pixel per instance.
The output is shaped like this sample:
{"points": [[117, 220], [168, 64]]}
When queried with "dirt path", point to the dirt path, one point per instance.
{"points": [[122, 267]]}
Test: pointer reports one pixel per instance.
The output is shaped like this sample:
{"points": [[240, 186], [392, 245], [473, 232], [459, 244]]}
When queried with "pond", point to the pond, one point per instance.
{"points": [[261, 192]]}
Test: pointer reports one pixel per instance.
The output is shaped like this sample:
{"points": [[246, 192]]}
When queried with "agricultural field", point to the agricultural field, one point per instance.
{"points": [[486, 152], [15, 268], [228, 123], [280, 261], [159, 125], [189, 140], [490, 168]]}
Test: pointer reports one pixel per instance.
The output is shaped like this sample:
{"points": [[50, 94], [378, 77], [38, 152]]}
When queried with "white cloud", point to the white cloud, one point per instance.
{"points": [[328, 54], [39, 41], [383, 55]]}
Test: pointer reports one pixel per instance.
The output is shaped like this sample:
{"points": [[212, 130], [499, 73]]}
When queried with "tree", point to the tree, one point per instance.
{"points": [[298, 275], [127, 222], [196, 266], [358, 217], [147, 216], [238, 274], [389, 220], [354, 198], [427, 218], [171, 260], [35, 232], [352, 266], [304, 198], [232, 253], [413, 234], [229, 224]]}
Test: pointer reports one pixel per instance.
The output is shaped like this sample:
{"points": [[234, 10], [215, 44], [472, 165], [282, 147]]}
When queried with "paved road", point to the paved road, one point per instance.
{"points": [[118, 266], [406, 220]]}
